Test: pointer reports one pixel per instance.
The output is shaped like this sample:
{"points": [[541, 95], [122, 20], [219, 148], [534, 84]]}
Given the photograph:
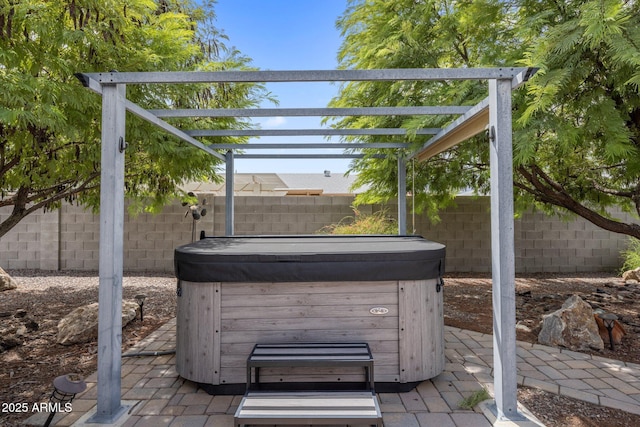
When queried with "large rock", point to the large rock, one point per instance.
{"points": [[631, 275], [573, 326], [81, 325], [6, 282]]}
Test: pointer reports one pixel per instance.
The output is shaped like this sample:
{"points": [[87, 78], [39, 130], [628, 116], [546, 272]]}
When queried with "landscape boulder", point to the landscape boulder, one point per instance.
{"points": [[81, 325], [6, 282], [573, 326], [631, 275]]}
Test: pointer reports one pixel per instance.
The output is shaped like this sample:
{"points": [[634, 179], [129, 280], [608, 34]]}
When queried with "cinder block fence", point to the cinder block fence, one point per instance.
{"points": [[68, 239]]}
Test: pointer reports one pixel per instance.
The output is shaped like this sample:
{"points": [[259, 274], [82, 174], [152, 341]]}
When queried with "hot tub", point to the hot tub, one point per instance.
{"points": [[234, 292]]}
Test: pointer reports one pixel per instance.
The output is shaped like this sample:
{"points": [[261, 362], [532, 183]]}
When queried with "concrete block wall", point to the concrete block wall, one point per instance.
{"points": [[547, 244], [542, 243], [282, 215], [32, 244], [79, 232], [68, 239], [465, 230]]}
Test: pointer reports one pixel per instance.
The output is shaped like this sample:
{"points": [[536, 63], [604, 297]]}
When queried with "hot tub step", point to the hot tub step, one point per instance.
{"points": [[289, 355], [310, 408]]}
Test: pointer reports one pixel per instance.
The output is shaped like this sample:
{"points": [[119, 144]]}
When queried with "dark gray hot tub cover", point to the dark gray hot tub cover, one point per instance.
{"points": [[309, 259]]}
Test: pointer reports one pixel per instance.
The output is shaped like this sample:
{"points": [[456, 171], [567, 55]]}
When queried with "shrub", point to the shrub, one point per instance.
{"points": [[375, 223], [631, 256]]}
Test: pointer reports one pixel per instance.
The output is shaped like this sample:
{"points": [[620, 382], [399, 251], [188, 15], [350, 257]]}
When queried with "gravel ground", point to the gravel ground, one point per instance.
{"points": [[41, 300]]}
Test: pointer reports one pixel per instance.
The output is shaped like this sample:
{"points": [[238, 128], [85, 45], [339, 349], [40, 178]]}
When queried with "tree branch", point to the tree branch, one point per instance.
{"points": [[546, 190], [24, 196]]}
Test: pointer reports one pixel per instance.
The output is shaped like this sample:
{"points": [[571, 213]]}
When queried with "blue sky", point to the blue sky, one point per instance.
{"points": [[287, 35]]}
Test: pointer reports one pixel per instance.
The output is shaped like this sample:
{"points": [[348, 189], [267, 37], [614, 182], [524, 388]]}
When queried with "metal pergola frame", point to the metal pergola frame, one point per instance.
{"points": [[492, 114]]}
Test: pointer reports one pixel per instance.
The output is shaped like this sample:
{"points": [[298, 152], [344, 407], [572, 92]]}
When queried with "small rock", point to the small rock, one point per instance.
{"points": [[31, 325], [8, 342], [20, 313], [522, 327]]}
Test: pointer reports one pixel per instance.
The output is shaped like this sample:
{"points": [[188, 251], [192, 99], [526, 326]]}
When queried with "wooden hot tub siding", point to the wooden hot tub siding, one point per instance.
{"points": [[219, 323]]}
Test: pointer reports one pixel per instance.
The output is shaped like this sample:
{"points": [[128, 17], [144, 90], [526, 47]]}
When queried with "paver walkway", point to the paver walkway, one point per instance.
{"points": [[159, 397]]}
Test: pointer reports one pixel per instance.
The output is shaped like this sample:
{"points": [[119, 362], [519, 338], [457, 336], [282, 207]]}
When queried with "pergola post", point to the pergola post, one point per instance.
{"points": [[402, 195], [502, 250], [109, 407], [229, 212]]}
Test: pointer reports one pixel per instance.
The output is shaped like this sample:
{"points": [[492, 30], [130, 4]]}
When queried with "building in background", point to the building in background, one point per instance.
{"points": [[283, 184]]}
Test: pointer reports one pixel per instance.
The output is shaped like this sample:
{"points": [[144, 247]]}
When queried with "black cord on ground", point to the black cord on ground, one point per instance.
{"points": [[149, 353]]}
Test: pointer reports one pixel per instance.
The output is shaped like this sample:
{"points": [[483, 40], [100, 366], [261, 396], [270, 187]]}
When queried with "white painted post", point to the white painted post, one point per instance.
{"points": [[502, 250], [402, 195], [109, 407], [229, 220]]}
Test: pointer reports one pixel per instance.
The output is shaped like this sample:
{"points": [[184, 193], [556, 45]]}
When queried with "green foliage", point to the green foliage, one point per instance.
{"points": [[471, 401], [408, 34], [577, 122], [376, 223], [50, 124], [631, 255]]}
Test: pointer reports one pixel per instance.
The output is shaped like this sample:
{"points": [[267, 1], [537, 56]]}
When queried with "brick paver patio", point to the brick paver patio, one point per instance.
{"points": [[159, 397]]}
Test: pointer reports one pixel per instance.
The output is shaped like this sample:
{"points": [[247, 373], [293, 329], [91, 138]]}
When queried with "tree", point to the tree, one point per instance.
{"points": [[50, 124], [577, 122]]}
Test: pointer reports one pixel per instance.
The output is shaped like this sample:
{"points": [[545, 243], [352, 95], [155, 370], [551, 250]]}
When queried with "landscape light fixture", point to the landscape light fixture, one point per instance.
{"points": [[140, 300], [65, 388], [609, 320]]}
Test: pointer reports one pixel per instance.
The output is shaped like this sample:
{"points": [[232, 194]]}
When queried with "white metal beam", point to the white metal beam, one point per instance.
{"points": [[305, 156], [469, 124], [229, 212], [464, 127], [310, 112], [311, 145], [146, 115], [402, 195], [502, 251], [109, 406], [309, 132], [395, 74]]}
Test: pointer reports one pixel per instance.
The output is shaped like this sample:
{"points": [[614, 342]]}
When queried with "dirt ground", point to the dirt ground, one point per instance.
{"points": [[30, 362]]}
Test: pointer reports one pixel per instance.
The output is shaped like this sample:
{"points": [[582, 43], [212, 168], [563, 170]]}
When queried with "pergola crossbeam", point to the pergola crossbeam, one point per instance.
{"points": [[304, 156], [469, 124], [146, 115], [312, 146], [310, 132], [310, 112], [186, 77]]}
